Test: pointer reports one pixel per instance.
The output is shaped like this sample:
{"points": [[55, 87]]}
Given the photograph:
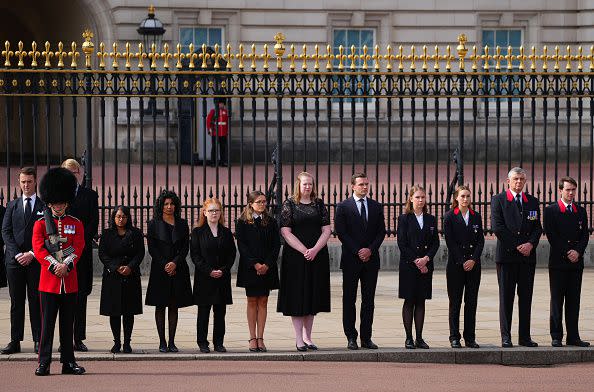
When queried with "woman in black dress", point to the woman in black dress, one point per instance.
{"points": [[121, 251], [418, 243], [305, 268], [213, 254], [258, 241], [463, 230], [169, 280]]}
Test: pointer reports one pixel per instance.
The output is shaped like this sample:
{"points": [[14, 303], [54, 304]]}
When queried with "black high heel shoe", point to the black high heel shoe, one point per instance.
{"points": [[301, 348], [162, 347], [252, 349], [261, 348]]}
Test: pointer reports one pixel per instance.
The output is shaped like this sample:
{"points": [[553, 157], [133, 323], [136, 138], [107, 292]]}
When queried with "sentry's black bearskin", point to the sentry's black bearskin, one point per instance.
{"points": [[58, 185]]}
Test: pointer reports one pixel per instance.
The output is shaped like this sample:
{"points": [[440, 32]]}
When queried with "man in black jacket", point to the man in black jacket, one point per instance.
{"points": [[86, 208], [3, 282], [22, 270], [566, 227], [515, 220], [359, 223]]}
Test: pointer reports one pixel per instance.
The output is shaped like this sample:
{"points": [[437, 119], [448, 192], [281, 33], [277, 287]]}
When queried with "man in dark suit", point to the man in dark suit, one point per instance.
{"points": [[22, 271], [566, 227], [515, 220], [3, 282], [86, 208], [359, 223]]}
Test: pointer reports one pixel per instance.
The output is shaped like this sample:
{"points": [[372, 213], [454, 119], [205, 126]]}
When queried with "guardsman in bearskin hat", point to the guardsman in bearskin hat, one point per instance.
{"points": [[58, 242]]}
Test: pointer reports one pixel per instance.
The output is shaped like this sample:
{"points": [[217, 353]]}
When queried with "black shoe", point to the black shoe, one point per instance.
{"points": [[36, 347], [220, 348], [263, 349], [312, 347], [456, 343], [172, 348], [506, 343], [368, 344], [162, 348], [116, 347], [409, 343], [126, 348], [43, 369], [11, 348], [557, 343], [352, 344], [72, 368], [254, 349], [528, 343], [204, 348], [301, 348], [420, 343], [80, 346], [579, 343], [471, 344]]}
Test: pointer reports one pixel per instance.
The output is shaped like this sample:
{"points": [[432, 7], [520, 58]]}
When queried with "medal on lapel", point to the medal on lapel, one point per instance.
{"points": [[532, 215]]}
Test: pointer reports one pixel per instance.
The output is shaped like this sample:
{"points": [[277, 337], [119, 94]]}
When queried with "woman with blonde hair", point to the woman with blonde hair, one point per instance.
{"points": [[213, 253], [258, 241], [418, 242], [305, 269]]}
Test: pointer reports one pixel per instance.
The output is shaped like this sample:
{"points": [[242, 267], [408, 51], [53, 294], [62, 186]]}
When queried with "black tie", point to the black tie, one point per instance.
{"points": [[569, 210], [363, 213], [258, 220], [27, 209], [519, 203]]}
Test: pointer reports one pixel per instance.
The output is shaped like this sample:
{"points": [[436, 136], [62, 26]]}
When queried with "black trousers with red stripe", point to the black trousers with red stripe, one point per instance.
{"points": [[51, 305]]}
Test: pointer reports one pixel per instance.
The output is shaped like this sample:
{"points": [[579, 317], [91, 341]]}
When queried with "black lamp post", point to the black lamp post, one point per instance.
{"points": [[151, 29]]}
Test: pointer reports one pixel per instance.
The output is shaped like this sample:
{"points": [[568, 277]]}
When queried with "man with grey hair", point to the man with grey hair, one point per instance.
{"points": [[515, 220]]}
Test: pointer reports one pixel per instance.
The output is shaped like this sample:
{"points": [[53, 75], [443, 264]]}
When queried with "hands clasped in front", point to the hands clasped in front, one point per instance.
{"points": [[170, 268], [421, 264], [525, 249], [310, 253], [261, 269]]}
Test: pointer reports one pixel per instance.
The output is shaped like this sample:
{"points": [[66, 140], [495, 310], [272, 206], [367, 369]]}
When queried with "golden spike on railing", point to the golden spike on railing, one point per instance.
{"points": [[7, 53], [153, 55], [115, 55], [400, 58], [228, 56], [140, 55], [279, 50], [448, 58], [253, 56], [591, 57], [328, 57], [20, 55], [580, 58], [73, 54], [316, 57], [88, 47], [376, 58], [191, 56], [303, 56], [533, 58], [522, 57], [435, 57], [498, 57], [265, 56], [364, 57], [557, 58], [101, 55], [412, 57], [292, 56], [178, 56], [474, 57], [341, 57], [509, 57], [203, 56], [486, 57], [424, 57], [389, 57], [47, 54], [568, 57], [34, 53], [545, 58], [462, 50], [353, 57], [60, 54], [240, 56], [166, 56], [127, 56]]}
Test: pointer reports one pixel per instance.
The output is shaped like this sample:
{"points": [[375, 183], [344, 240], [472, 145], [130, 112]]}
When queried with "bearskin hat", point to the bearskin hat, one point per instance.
{"points": [[58, 185]]}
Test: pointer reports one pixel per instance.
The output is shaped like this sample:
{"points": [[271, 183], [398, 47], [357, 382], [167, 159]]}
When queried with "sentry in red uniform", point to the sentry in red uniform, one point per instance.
{"points": [[72, 229], [223, 122]]}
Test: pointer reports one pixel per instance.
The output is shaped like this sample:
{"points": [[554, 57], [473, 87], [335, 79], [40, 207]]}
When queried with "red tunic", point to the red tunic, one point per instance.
{"points": [[72, 229], [223, 122]]}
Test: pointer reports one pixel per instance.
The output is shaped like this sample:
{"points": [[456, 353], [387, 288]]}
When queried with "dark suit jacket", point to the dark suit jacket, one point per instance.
{"points": [[257, 244], [2, 265], [513, 229], [348, 224], [566, 231], [464, 242], [86, 208], [415, 242], [17, 233]]}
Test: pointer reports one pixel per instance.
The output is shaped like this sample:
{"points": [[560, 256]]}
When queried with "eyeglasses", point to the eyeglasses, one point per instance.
{"points": [[260, 202], [213, 211], [121, 217]]}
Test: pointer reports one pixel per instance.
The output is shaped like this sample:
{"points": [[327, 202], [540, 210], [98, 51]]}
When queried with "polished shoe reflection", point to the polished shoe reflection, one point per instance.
{"points": [[11, 348], [472, 344], [455, 343], [352, 344], [409, 343], [528, 343], [420, 343], [80, 346], [369, 345], [579, 343], [557, 343], [72, 368], [43, 369]]}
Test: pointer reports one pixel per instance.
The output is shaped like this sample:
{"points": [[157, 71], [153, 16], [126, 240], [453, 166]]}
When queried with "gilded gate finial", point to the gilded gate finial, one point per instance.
{"points": [[203, 56], [166, 56], [568, 57], [448, 58], [509, 57], [228, 57], [580, 58], [462, 50], [292, 56], [353, 57], [178, 56], [153, 55], [412, 57], [101, 55], [556, 57], [424, 57], [34, 53], [316, 57], [498, 57], [486, 57], [140, 55], [88, 47], [128, 56], [279, 49], [533, 57], [304, 58], [545, 57], [474, 57], [400, 58], [522, 57], [341, 57], [60, 54], [47, 54], [265, 56], [389, 57], [192, 56], [435, 57], [115, 55], [364, 57], [376, 58], [73, 54], [7, 53], [240, 56], [329, 57], [20, 55], [591, 57]]}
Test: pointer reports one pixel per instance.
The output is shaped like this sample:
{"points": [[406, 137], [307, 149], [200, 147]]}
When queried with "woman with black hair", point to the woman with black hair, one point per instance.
{"points": [[121, 251], [169, 280]]}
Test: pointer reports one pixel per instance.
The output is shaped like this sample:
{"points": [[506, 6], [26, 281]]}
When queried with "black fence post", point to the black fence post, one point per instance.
{"points": [[88, 49]]}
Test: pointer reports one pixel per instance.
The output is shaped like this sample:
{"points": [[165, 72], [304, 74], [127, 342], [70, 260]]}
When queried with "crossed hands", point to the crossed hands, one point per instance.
{"points": [[573, 256], [261, 269], [310, 254], [216, 274], [170, 268], [525, 249], [468, 265], [364, 254], [61, 270], [421, 264], [124, 270]]}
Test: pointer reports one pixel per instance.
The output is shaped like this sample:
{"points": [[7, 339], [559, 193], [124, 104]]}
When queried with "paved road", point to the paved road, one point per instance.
{"points": [[290, 376]]}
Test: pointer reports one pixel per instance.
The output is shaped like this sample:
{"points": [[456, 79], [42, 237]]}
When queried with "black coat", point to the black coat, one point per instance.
{"points": [[165, 244], [348, 224], [566, 231], [463, 242], [513, 229], [121, 294], [17, 233], [257, 244], [86, 208], [211, 253], [2, 265]]}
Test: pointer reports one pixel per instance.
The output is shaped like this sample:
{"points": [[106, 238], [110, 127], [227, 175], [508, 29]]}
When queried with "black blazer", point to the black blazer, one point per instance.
{"points": [[257, 244], [415, 242], [566, 231], [348, 224], [512, 228], [2, 265], [16, 232], [463, 242], [115, 252]]}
